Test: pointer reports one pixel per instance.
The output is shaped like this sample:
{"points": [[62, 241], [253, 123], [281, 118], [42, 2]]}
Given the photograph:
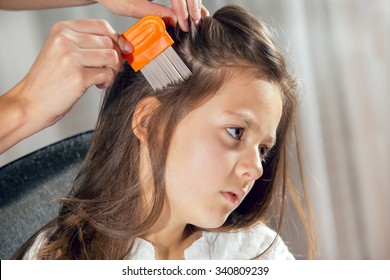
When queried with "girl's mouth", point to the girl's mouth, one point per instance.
{"points": [[232, 197]]}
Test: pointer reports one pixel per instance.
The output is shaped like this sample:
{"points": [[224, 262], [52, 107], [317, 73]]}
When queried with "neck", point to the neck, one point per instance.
{"points": [[170, 237]]}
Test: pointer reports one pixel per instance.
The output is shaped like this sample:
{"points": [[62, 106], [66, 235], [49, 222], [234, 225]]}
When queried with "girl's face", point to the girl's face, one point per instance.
{"points": [[217, 151]]}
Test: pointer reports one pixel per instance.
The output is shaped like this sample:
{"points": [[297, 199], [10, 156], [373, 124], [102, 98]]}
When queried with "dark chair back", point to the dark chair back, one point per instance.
{"points": [[30, 187]]}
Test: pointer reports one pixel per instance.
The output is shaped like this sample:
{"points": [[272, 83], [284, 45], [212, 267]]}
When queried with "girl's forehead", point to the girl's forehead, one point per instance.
{"points": [[244, 89], [245, 97]]}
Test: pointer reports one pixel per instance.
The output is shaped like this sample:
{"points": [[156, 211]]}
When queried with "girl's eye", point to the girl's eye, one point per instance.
{"points": [[263, 151], [235, 132], [266, 153]]}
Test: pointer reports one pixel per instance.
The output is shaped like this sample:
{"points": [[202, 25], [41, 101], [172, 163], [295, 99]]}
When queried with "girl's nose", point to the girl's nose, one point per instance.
{"points": [[250, 166]]}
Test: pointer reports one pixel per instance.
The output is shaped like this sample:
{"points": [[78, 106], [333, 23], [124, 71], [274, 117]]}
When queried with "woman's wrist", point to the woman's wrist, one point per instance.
{"points": [[15, 120], [36, 5]]}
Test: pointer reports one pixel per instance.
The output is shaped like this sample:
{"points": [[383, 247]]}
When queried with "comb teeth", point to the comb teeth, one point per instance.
{"points": [[167, 68]]}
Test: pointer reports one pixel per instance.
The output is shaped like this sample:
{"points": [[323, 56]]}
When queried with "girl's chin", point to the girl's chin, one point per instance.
{"points": [[211, 223]]}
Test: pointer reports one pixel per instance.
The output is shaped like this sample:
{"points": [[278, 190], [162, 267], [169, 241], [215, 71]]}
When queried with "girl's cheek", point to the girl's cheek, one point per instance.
{"points": [[224, 150], [210, 152]]}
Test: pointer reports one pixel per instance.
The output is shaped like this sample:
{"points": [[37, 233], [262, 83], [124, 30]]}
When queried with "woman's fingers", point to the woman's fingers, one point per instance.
{"points": [[139, 9], [94, 27], [94, 49], [188, 8], [194, 9], [76, 55], [204, 12], [108, 58], [101, 77], [181, 11], [89, 41], [144, 8]]}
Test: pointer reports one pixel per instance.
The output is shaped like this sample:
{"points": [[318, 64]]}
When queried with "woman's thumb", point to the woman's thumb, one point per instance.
{"points": [[150, 8]]}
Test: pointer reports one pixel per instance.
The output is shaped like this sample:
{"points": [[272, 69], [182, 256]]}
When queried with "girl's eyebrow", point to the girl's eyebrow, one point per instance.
{"points": [[250, 122]]}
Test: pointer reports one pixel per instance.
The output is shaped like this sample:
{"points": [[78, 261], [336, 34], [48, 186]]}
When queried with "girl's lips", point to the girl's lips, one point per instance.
{"points": [[232, 197]]}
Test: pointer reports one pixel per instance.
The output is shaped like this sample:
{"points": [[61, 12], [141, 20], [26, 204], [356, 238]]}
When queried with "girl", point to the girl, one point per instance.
{"points": [[192, 171]]}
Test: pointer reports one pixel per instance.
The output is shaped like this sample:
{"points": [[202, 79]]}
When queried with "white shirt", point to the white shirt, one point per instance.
{"points": [[241, 245]]}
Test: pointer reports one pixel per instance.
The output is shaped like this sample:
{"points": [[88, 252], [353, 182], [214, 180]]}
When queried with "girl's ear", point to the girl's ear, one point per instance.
{"points": [[142, 114]]}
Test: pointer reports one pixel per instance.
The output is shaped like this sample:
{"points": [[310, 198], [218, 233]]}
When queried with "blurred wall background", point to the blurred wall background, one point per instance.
{"points": [[340, 51]]}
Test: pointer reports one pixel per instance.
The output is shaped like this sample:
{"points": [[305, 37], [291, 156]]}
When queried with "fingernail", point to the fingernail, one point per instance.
{"points": [[184, 25], [128, 48], [101, 86], [125, 46], [172, 22]]}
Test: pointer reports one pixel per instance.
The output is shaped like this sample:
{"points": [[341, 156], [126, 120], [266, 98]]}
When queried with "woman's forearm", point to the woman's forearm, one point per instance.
{"points": [[13, 119], [41, 4]]}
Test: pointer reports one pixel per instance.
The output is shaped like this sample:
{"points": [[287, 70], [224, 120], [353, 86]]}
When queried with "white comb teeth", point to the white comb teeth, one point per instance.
{"points": [[167, 68]]}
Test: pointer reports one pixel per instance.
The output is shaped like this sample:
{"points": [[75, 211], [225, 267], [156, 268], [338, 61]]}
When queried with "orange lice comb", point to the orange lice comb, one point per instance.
{"points": [[153, 54]]}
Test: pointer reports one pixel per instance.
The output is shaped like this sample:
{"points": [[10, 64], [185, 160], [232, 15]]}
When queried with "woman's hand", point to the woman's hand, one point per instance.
{"points": [[180, 11], [76, 55]]}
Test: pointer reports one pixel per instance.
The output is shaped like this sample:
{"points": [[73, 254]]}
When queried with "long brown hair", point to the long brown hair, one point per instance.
{"points": [[105, 209]]}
